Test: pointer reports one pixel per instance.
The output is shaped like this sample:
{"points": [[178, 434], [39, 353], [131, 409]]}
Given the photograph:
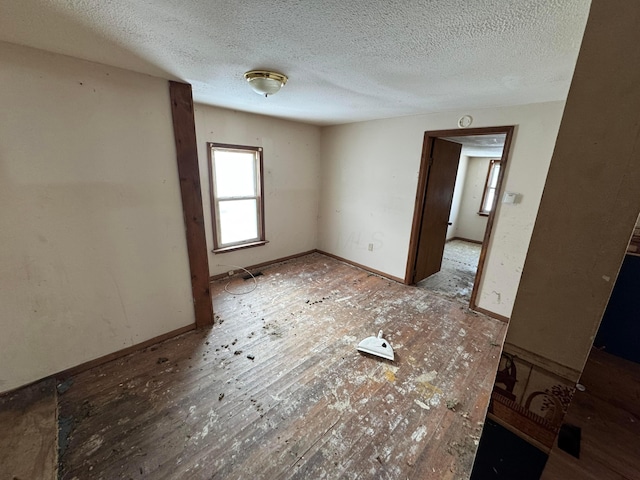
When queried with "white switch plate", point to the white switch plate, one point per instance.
{"points": [[511, 198]]}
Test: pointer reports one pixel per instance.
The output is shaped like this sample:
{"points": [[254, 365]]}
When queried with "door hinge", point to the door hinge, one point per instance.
{"points": [[430, 161]]}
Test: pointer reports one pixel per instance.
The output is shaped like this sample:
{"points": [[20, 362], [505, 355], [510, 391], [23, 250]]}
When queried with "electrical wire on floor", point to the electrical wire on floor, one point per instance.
{"points": [[255, 282]]}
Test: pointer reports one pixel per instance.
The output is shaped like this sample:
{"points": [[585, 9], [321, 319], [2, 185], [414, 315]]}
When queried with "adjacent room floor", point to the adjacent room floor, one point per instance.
{"points": [[458, 272], [608, 414], [276, 389]]}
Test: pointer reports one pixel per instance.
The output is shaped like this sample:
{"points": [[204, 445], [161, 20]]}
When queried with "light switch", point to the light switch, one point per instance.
{"points": [[511, 198]]}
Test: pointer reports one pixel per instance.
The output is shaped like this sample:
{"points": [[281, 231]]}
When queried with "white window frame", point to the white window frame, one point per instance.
{"points": [[218, 246]]}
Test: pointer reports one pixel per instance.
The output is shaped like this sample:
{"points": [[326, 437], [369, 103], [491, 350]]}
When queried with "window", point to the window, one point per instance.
{"points": [[237, 207], [490, 187]]}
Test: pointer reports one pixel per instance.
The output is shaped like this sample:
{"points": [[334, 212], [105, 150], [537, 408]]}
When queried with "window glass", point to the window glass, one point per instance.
{"points": [[490, 188], [488, 203], [235, 173], [238, 221], [493, 181], [237, 207]]}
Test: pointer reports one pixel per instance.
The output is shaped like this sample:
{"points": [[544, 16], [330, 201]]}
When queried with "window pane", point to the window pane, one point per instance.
{"points": [[234, 173], [238, 221], [488, 201], [493, 179]]}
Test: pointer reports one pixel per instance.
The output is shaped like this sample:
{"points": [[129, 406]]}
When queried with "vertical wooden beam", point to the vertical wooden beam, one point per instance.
{"points": [[184, 130]]}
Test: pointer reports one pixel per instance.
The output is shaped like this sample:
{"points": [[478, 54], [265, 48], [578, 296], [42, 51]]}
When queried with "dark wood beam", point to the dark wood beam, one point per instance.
{"points": [[184, 130]]}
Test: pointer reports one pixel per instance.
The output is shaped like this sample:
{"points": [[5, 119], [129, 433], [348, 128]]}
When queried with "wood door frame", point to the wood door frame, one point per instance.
{"points": [[423, 177]]}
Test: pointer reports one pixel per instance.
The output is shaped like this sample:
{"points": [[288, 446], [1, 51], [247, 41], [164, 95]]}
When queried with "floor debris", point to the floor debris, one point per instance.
{"points": [[312, 407], [64, 386]]}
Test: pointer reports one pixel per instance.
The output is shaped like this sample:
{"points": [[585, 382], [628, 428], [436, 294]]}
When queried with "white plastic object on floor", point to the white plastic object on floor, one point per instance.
{"points": [[377, 346]]}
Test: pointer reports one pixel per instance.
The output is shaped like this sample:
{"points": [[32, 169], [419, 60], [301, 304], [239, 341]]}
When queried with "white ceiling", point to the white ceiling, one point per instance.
{"points": [[347, 60], [491, 140], [488, 145]]}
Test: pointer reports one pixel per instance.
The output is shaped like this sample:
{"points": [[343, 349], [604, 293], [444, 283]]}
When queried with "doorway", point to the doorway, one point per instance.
{"points": [[443, 257]]}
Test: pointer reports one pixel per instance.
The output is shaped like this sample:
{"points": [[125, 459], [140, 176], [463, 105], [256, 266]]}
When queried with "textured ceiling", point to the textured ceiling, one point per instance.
{"points": [[480, 141], [489, 145], [346, 60]]}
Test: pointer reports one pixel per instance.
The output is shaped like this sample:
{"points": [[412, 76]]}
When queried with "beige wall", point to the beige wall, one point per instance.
{"points": [[93, 255], [369, 180], [291, 181], [591, 199], [469, 224]]}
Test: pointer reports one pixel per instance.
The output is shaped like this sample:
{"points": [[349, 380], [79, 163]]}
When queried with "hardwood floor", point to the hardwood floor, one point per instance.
{"points": [[608, 413], [29, 430], [459, 267], [276, 389]]}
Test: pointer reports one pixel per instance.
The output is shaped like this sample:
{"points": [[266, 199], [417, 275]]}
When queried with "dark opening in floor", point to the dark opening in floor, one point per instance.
{"points": [[502, 455]]}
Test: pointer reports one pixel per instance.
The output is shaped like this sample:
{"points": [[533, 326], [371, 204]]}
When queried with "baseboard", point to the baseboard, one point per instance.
{"points": [[7, 394], [69, 372], [363, 267], [479, 242], [213, 278], [491, 314], [121, 353]]}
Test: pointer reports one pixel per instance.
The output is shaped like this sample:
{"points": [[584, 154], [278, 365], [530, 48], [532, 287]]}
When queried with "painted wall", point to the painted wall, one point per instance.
{"points": [[369, 180], [469, 224], [458, 190], [291, 181], [93, 255], [591, 199]]}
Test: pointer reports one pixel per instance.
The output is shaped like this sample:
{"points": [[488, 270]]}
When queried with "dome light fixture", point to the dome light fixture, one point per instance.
{"points": [[264, 82]]}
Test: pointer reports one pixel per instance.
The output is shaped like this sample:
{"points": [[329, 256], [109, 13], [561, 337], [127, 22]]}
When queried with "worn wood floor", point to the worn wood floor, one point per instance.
{"points": [[458, 272], [28, 432], [608, 413], [277, 390]]}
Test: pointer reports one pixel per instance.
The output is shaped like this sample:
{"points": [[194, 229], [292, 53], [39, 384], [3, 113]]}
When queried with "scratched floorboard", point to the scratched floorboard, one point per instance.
{"points": [[307, 406]]}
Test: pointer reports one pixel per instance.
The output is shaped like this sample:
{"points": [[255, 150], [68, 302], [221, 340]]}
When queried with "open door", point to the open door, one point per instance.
{"points": [[434, 195], [441, 179]]}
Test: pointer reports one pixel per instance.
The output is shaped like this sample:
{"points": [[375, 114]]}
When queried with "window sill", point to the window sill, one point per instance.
{"points": [[483, 214], [233, 248]]}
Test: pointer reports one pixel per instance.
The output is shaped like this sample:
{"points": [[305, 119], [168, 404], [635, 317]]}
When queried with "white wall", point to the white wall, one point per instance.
{"points": [[291, 181], [369, 179], [469, 224], [93, 255], [458, 190]]}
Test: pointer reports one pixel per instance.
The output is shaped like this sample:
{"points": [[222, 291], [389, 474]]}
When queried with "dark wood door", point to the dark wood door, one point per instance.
{"points": [[441, 179]]}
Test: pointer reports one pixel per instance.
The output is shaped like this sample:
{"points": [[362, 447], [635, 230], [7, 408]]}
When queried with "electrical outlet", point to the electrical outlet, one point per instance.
{"points": [[231, 272], [371, 247]]}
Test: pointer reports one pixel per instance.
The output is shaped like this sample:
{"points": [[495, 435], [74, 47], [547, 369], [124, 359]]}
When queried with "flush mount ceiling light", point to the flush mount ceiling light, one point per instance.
{"points": [[264, 82]]}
